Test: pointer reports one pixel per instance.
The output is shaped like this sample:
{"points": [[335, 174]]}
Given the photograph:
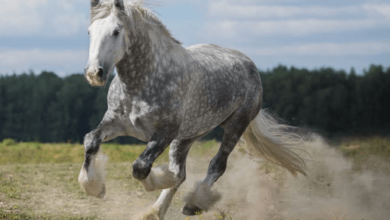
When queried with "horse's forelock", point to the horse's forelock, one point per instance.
{"points": [[101, 10], [129, 14], [104, 8]]}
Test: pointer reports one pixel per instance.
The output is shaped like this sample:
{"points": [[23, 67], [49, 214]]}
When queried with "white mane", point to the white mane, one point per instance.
{"points": [[135, 14]]}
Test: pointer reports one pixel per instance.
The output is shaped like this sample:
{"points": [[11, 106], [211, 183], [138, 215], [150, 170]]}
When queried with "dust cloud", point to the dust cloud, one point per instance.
{"points": [[254, 190]]}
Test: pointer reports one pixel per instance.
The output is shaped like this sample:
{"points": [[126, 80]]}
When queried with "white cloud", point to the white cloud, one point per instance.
{"points": [[231, 19], [304, 27], [223, 10], [325, 49], [64, 61], [69, 24], [20, 17], [381, 9], [40, 17]]}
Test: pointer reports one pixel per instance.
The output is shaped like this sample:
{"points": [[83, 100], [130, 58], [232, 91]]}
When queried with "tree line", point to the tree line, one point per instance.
{"points": [[48, 108], [330, 101]]}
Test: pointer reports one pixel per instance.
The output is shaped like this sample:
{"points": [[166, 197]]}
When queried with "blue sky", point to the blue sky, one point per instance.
{"points": [[52, 35]]}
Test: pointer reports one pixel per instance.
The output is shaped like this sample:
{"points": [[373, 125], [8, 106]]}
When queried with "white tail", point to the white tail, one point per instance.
{"points": [[267, 138]]}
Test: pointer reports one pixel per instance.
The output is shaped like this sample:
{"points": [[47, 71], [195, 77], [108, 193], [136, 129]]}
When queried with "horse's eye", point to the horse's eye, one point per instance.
{"points": [[116, 33]]}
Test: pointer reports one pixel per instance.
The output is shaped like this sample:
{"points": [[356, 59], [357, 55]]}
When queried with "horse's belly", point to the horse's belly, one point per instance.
{"points": [[200, 121]]}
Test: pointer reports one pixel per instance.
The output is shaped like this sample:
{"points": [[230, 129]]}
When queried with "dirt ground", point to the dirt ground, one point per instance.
{"points": [[252, 189]]}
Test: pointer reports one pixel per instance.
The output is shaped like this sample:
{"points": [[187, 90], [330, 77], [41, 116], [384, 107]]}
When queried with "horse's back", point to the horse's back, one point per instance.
{"points": [[226, 67], [214, 58], [222, 81]]}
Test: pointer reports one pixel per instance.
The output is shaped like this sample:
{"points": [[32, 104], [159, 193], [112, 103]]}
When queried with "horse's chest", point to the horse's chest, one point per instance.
{"points": [[140, 112]]}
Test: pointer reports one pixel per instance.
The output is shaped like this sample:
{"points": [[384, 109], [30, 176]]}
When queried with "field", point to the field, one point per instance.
{"points": [[347, 181]]}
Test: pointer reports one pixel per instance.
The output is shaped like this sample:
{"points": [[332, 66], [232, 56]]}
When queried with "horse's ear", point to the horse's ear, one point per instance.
{"points": [[119, 4], [94, 3]]}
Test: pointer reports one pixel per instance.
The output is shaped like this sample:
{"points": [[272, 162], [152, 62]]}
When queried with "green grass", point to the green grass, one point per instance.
{"points": [[32, 153], [363, 150], [357, 147], [12, 152]]}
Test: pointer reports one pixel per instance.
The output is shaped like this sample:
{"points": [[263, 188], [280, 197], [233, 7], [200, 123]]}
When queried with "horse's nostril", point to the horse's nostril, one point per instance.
{"points": [[100, 72]]}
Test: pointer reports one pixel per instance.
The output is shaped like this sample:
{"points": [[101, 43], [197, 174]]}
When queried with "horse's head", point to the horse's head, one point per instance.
{"points": [[107, 42]]}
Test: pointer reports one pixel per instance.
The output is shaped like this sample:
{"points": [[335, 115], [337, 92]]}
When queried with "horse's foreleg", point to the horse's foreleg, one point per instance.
{"points": [[202, 198], [91, 176], [159, 177]]}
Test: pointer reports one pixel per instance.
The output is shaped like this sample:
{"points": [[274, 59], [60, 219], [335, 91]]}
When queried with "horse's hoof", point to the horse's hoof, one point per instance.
{"points": [[152, 215], [92, 187], [103, 192], [189, 209]]}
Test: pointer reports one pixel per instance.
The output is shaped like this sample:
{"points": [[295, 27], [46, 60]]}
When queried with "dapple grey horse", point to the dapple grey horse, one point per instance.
{"points": [[168, 95]]}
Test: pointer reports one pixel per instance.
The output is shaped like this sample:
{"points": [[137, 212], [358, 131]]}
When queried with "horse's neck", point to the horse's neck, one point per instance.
{"points": [[148, 56], [136, 63]]}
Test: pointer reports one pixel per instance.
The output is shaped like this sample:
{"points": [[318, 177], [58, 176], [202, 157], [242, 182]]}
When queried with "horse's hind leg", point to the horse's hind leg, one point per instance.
{"points": [[202, 198], [91, 176], [177, 164]]}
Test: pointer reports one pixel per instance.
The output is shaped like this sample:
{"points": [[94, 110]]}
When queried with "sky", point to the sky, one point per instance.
{"points": [[52, 35]]}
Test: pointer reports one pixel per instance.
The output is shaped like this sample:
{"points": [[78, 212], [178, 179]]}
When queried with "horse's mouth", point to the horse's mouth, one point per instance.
{"points": [[95, 80]]}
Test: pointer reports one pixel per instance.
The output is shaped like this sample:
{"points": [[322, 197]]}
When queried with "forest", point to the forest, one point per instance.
{"points": [[47, 108]]}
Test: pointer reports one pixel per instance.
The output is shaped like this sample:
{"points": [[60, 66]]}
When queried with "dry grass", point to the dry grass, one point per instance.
{"points": [[39, 181], [368, 153]]}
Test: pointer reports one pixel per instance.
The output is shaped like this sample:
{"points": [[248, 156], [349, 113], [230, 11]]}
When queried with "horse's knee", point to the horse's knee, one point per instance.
{"points": [[141, 169], [92, 143]]}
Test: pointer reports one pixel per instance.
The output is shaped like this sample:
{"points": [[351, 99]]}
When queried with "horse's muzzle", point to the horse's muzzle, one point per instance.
{"points": [[95, 77]]}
